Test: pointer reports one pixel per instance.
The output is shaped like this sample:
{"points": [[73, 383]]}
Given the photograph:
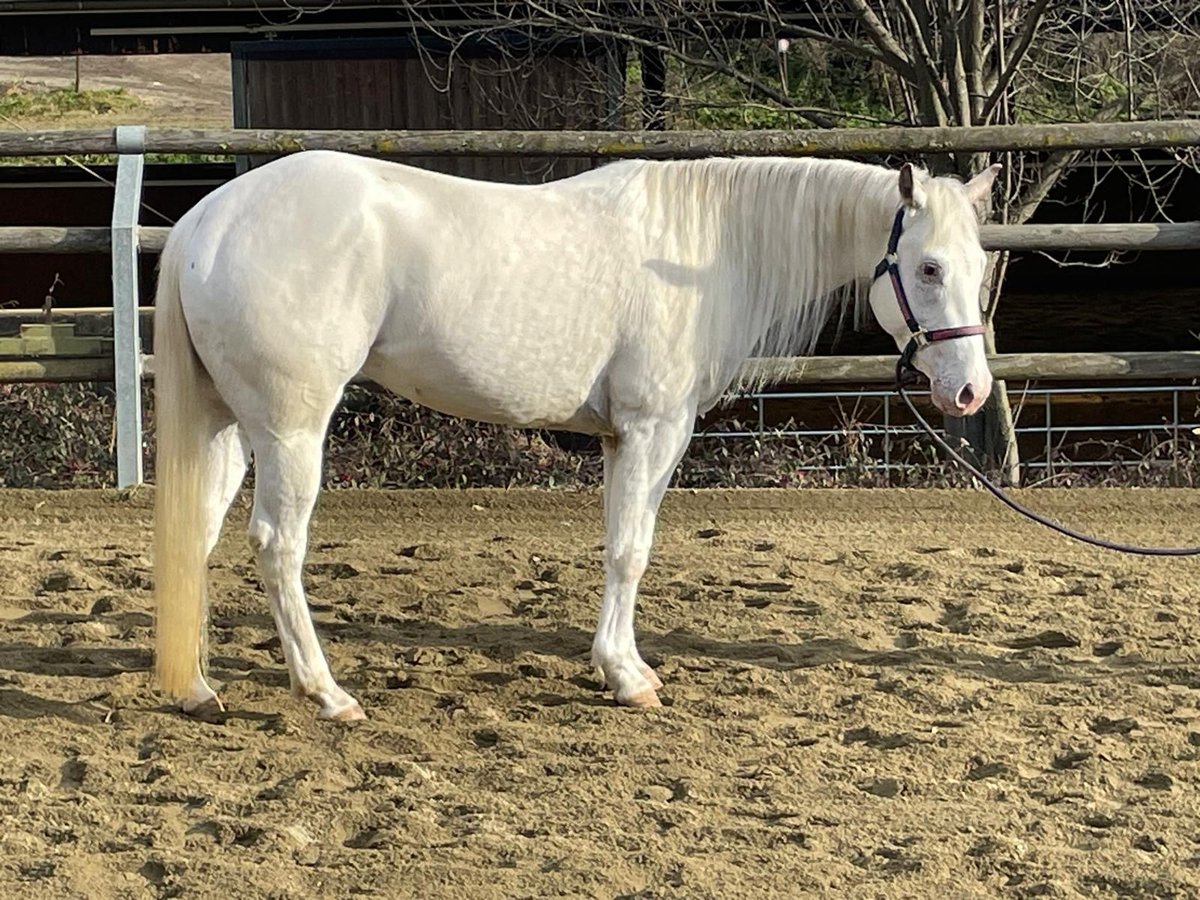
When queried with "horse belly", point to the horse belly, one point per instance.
{"points": [[482, 382]]}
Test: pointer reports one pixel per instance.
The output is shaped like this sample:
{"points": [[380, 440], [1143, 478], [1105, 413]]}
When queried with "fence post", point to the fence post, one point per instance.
{"points": [[127, 344]]}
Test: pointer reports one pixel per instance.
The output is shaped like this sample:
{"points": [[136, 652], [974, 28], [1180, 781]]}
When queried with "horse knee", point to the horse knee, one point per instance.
{"points": [[628, 563], [260, 535]]}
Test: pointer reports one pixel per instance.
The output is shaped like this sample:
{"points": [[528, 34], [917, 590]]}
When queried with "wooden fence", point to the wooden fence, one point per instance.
{"points": [[624, 144], [130, 143]]}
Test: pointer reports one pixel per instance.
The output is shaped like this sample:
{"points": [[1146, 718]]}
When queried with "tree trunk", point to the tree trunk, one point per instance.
{"points": [[989, 437]]}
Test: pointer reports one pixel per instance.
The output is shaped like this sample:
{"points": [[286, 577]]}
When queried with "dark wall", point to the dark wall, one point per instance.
{"points": [[68, 197], [498, 83]]}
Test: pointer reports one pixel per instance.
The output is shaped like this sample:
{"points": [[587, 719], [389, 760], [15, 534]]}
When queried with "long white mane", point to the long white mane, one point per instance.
{"points": [[774, 246]]}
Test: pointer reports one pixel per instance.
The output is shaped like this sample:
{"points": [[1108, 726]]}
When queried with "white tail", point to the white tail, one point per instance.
{"points": [[180, 404]]}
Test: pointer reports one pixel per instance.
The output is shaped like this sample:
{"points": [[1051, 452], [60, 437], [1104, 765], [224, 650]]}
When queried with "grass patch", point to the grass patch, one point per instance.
{"points": [[20, 102]]}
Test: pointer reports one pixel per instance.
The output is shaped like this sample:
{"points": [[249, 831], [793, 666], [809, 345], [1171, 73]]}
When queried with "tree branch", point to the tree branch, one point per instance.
{"points": [[954, 67], [835, 36], [974, 55], [886, 42], [1056, 164], [930, 85], [1008, 68], [1048, 174]]}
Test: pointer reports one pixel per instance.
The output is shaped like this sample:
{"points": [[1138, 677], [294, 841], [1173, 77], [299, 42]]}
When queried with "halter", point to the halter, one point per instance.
{"points": [[889, 266]]}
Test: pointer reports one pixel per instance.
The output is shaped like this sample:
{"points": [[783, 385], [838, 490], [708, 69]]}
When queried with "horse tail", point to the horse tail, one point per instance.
{"points": [[180, 403]]}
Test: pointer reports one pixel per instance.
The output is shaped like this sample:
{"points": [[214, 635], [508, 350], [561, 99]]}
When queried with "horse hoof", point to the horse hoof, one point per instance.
{"points": [[651, 676], [351, 713], [203, 709], [646, 699]]}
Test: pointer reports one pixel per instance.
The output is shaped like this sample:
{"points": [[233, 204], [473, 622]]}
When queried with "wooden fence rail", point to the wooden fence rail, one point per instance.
{"points": [[816, 370], [1104, 237], [619, 144]]}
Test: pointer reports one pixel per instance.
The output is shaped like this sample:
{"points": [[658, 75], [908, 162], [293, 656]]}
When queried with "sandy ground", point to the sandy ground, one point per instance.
{"points": [[871, 694], [191, 90]]}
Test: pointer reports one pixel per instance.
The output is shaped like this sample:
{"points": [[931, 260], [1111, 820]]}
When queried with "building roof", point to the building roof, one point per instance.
{"points": [[60, 27]]}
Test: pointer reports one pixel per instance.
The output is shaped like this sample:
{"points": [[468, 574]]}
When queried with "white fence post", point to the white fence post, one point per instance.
{"points": [[127, 343]]}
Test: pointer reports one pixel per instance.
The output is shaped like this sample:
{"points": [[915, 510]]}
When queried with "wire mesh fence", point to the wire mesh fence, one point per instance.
{"points": [[1112, 431]]}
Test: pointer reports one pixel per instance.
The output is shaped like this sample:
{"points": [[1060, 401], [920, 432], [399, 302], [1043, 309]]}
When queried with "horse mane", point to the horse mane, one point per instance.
{"points": [[777, 244]]}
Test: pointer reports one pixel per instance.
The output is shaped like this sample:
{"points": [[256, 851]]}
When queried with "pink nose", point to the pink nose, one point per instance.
{"points": [[965, 397]]}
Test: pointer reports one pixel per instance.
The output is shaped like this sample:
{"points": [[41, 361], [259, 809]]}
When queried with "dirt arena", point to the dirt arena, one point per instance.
{"points": [[870, 694]]}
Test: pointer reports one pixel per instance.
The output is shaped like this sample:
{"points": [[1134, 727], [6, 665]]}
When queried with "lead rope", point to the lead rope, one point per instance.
{"points": [[1012, 504]]}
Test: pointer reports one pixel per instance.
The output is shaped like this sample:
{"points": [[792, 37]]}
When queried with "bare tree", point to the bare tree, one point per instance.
{"points": [[976, 62]]}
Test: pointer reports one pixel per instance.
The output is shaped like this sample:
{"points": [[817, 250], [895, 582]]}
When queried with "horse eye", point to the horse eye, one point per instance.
{"points": [[931, 272]]}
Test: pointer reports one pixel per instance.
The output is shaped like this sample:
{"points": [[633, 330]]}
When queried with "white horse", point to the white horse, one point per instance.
{"points": [[621, 302]]}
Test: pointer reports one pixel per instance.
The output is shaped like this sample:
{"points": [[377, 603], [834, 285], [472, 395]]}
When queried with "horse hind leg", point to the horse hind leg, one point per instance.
{"points": [[229, 457], [287, 481]]}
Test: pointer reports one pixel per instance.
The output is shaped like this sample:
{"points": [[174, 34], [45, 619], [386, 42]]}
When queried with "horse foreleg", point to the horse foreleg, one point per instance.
{"points": [[638, 465]]}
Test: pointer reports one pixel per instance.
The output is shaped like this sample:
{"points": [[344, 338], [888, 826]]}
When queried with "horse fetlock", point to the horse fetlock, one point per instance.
{"points": [[320, 688], [631, 661], [651, 676], [199, 690], [646, 698]]}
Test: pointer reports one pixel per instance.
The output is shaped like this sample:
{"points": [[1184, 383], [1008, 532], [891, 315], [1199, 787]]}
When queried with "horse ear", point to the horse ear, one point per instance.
{"points": [[911, 191], [979, 188]]}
